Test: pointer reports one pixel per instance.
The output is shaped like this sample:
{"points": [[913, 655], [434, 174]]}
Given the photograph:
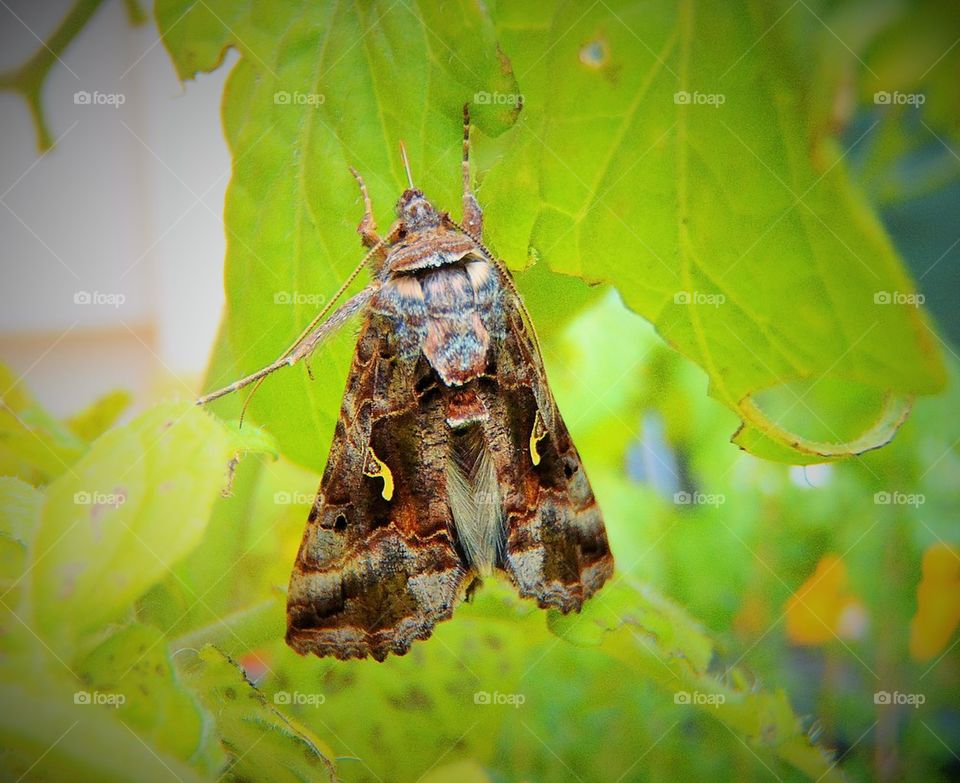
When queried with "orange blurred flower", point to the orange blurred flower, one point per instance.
{"points": [[823, 608], [938, 602]]}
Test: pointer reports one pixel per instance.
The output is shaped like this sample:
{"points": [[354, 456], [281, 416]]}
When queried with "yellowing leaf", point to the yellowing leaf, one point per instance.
{"points": [[19, 513], [123, 516], [49, 732], [34, 446], [19, 509], [98, 417]]}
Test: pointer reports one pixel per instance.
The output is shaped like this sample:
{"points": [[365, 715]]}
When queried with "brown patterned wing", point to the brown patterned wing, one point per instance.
{"points": [[377, 567], [556, 544]]}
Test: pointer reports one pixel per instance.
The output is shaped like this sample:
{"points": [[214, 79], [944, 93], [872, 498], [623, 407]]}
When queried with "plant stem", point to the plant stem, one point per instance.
{"points": [[28, 79]]}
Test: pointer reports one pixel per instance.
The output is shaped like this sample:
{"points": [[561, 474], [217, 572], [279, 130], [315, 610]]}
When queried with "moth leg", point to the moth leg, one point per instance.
{"points": [[378, 254], [343, 314], [379, 247], [472, 588], [308, 340], [368, 226], [472, 214]]}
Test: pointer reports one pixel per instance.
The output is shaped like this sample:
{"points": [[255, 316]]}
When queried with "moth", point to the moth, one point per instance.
{"points": [[450, 459]]}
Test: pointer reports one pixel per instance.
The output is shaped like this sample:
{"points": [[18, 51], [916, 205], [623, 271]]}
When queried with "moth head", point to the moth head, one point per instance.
{"points": [[413, 208], [415, 211]]}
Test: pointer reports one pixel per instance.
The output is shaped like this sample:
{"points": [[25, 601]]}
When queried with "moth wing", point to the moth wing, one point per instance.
{"points": [[556, 548], [377, 567]]}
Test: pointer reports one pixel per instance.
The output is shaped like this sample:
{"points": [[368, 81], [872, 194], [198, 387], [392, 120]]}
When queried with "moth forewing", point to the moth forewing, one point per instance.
{"points": [[449, 461]]}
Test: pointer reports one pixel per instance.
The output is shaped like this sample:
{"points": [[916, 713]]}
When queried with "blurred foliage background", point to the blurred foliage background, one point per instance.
{"points": [[814, 594]]}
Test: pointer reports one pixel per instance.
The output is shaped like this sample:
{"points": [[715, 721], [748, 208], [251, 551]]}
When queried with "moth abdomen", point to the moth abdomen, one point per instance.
{"points": [[474, 497]]}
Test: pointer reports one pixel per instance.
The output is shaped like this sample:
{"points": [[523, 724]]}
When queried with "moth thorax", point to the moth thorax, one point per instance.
{"points": [[476, 503]]}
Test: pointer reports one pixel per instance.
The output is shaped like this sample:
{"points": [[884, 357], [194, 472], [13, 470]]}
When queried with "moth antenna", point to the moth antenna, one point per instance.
{"points": [[512, 287], [465, 164], [246, 402], [406, 164]]}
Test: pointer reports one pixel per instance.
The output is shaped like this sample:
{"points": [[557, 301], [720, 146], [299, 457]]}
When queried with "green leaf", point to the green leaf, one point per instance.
{"points": [[261, 743], [133, 664], [47, 734], [660, 641], [724, 224], [424, 705], [250, 439], [765, 283], [460, 772], [123, 516]]}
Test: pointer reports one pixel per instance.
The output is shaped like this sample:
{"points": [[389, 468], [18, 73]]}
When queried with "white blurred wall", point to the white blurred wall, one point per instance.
{"points": [[125, 211]]}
